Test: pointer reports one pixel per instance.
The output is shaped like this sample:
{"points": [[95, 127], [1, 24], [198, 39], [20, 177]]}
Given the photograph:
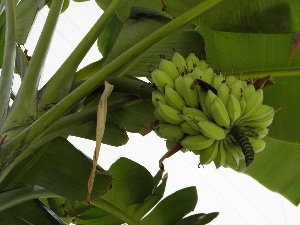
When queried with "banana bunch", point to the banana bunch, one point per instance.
{"points": [[220, 118]]}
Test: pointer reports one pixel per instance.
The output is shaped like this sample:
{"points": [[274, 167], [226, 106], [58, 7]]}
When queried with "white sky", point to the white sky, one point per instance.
{"points": [[239, 199]]}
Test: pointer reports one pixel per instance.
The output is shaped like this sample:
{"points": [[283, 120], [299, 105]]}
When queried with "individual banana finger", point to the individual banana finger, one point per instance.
{"points": [[197, 73], [178, 85], [209, 75], [233, 108], [157, 96], [253, 101], [217, 81], [169, 114], [190, 96], [196, 142], [194, 112], [169, 68], [202, 65], [257, 144], [173, 99], [223, 93], [219, 113], [160, 79], [188, 129], [191, 62], [212, 130], [209, 154], [209, 99], [180, 63], [169, 131]]}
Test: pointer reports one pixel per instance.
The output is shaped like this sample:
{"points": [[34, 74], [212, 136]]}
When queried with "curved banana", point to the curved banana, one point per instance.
{"points": [[202, 65], [261, 122], [233, 108], [157, 96], [212, 130], [169, 68], [209, 99], [178, 85], [230, 80], [219, 113], [197, 73], [173, 99], [188, 129], [217, 81], [253, 101], [180, 63], [257, 144], [160, 79], [191, 61], [194, 112], [169, 114], [190, 96], [196, 142], [248, 90], [237, 89], [243, 105], [209, 75], [208, 154], [223, 93], [169, 131]]}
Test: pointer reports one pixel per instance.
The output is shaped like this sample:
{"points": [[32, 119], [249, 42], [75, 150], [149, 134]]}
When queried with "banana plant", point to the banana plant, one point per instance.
{"points": [[131, 35]]}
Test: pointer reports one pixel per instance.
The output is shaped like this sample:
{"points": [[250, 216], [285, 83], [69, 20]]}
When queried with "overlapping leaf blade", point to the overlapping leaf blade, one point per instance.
{"points": [[61, 168]]}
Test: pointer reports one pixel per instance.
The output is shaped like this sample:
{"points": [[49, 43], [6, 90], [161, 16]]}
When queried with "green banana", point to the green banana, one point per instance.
{"points": [[194, 112], [212, 130], [237, 88], [160, 79], [180, 63], [209, 154], [217, 81], [169, 114], [230, 80], [178, 85], [233, 108], [257, 144], [262, 122], [169, 68], [190, 96], [191, 62], [222, 153], [248, 90], [173, 99], [201, 96], [192, 121], [157, 96], [202, 65], [209, 75], [223, 93], [253, 101], [197, 73], [157, 116], [196, 142], [186, 128], [209, 99], [169, 131], [219, 113]]}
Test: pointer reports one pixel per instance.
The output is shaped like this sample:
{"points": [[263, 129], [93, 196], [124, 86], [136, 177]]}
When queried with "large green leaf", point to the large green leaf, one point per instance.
{"points": [[184, 40], [61, 168], [256, 16], [277, 168], [31, 212]]}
